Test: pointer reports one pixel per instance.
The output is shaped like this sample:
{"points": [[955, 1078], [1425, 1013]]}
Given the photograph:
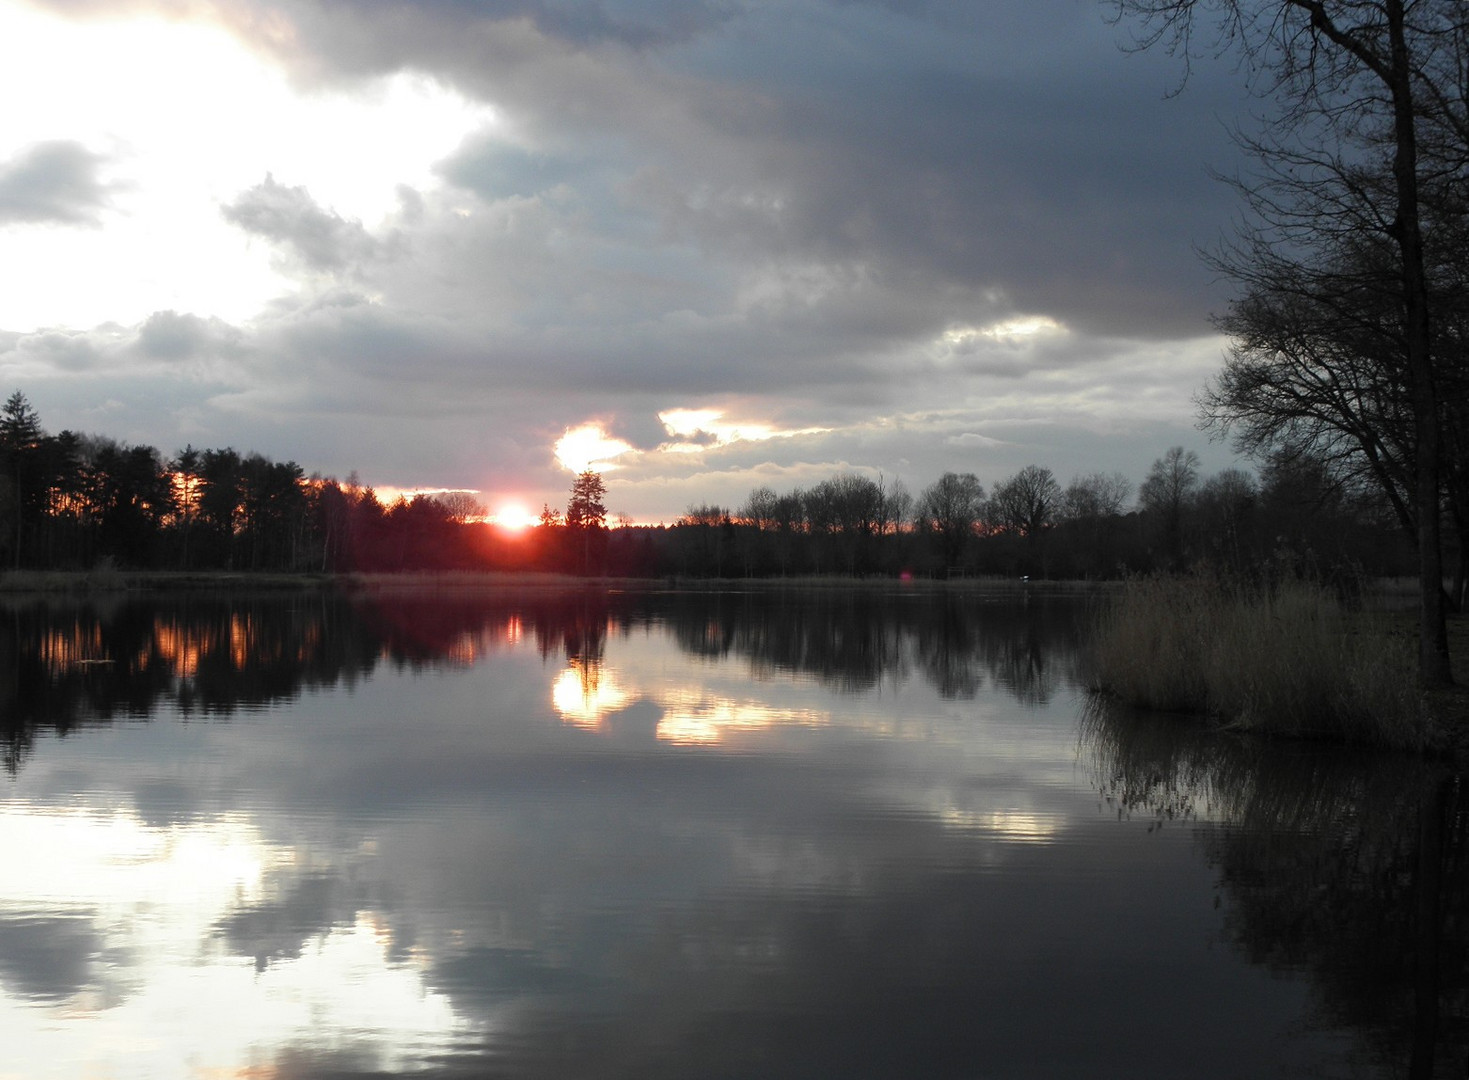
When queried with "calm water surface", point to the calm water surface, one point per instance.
{"points": [[725, 835]]}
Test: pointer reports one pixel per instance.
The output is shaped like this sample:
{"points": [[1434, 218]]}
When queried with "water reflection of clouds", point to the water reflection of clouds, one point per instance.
{"points": [[142, 983], [693, 716], [1005, 823], [431, 865], [587, 692]]}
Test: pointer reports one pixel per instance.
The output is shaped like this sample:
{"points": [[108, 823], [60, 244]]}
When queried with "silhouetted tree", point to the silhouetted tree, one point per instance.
{"points": [[186, 496], [586, 514], [1025, 506], [1095, 495], [1090, 525], [950, 509], [1027, 502], [460, 507], [130, 495], [1225, 507], [20, 441], [1374, 114], [1166, 493], [585, 509]]}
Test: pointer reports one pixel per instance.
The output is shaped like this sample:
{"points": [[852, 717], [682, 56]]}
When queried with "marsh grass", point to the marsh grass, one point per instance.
{"points": [[1286, 659]]}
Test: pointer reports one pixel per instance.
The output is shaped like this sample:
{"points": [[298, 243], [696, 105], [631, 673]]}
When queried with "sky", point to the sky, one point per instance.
{"points": [[699, 245]]}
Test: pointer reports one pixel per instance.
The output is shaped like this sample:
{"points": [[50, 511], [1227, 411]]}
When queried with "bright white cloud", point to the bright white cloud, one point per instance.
{"points": [[1009, 331], [589, 447], [180, 118], [709, 429]]}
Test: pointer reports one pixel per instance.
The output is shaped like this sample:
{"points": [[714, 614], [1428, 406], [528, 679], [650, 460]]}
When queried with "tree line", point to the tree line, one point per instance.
{"points": [[76, 501], [73, 501], [1297, 516]]}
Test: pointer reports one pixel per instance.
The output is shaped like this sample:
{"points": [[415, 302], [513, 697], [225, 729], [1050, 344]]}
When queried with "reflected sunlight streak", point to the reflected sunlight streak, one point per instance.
{"points": [[693, 717], [585, 693], [1019, 826]]}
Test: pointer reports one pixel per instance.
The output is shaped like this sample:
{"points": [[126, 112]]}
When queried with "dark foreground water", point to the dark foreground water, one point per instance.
{"points": [[801, 835]]}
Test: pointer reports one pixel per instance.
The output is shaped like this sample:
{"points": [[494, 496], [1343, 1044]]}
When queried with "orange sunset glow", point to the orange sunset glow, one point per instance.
{"points": [[513, 517]]}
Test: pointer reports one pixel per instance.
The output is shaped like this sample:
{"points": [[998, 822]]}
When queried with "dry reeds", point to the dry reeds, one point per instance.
{"points": [[1285, 659]]}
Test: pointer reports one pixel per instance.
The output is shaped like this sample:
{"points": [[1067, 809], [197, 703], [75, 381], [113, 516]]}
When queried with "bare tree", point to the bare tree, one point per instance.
{"points": [[1354, 78], [950, 508], [1171, 484], [759, 510], [1095, 495], [897, 509], [459, 506], [1027, 502]]}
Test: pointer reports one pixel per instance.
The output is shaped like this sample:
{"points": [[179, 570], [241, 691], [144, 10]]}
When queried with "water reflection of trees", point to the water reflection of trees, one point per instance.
{"points": [[75, 663], [1028, 646], [1353, 870], [70, 665]]}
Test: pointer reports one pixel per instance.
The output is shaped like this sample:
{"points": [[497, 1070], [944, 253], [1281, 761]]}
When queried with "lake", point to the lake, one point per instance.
{"points": [[762, 834]]}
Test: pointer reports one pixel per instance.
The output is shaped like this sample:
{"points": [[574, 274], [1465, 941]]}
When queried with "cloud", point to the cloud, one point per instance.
{"points": [[588, 446], [48, 957], [697, 430], [57, 183], [883, 232], [974, 439], [169, 336], [288, 216], [951, 149]]}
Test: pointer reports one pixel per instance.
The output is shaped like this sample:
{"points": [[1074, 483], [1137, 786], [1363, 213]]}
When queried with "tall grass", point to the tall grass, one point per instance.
{"points": [[1285, 659]]}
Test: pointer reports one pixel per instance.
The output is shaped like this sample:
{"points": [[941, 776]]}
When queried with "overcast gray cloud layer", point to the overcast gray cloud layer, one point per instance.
{"points": [[807, 213]]}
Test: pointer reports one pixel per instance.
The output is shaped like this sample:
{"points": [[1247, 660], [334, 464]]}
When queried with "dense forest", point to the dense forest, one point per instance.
{"points": [[76, 502]]}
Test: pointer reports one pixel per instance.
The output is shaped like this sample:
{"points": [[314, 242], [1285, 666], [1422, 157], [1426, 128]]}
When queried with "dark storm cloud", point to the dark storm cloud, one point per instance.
{"points": [[53, 183], [948, 149], [636, 23], [321, 239]]}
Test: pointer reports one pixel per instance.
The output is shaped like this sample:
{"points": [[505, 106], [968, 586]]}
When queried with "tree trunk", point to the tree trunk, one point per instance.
{"points": [[1433, 641]]}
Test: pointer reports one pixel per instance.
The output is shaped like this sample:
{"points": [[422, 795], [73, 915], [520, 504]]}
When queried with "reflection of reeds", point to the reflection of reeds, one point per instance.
{"points": [[1165, 766], [1347, 864], [1286, 659]]}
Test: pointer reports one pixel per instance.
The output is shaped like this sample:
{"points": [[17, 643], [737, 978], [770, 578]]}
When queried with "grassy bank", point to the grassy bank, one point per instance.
{"points": [[1289, 660], [104, 580]]}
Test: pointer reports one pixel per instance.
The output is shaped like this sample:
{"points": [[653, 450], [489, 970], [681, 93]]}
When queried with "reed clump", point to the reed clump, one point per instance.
{"points": [[1284, 658]]}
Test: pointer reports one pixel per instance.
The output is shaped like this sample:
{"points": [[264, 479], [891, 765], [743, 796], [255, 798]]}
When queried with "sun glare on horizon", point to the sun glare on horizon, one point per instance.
{"points": [[513, 516]]}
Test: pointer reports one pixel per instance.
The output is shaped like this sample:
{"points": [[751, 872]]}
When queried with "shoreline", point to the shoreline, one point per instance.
{"points": [[93, 582]]}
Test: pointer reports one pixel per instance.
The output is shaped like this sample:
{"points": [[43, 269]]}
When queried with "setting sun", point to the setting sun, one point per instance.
{"points": [[513, 517]]}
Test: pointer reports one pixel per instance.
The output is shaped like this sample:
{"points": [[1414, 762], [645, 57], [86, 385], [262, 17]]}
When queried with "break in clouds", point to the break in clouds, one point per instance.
{"points": [[893, 238]]}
